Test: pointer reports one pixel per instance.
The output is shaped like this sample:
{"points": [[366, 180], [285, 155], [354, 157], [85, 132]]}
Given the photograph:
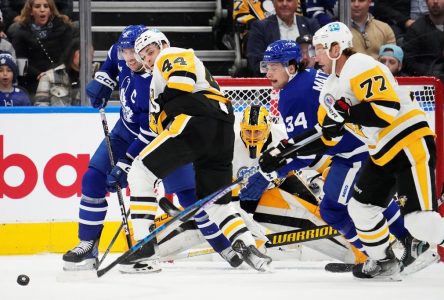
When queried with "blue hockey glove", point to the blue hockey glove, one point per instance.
{"points": [[99, 89], [118, 175], [256, 186]]}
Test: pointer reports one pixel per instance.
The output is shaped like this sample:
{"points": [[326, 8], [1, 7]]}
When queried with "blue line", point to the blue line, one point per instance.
{"points": [[54, 109]]}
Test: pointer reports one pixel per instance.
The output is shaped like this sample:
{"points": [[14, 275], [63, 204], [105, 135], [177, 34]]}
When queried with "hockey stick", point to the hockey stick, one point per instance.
{"points": [[111, 244], [275, 239], [119, 190], [186, 213]]}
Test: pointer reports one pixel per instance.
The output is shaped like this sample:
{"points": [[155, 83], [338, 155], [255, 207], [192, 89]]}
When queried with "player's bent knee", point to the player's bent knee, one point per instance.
{"points": [[94, 183], [419, 223], [141, 180], [364, 215]]}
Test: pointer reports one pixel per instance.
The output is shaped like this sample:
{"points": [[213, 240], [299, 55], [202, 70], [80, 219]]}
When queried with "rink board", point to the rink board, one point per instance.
{"points": [[43, 154]]}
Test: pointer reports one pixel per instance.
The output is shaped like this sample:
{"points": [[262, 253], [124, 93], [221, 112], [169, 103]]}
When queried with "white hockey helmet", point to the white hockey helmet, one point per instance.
{"points": [[149, 37], [335, 32]]}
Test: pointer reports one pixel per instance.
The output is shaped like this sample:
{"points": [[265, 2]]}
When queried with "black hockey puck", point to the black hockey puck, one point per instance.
{"points": [[23, 279]]}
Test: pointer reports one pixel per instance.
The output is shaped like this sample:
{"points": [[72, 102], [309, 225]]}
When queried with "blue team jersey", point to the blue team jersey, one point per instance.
{"points": [[298, 106], [15, 98], [134, 98]]}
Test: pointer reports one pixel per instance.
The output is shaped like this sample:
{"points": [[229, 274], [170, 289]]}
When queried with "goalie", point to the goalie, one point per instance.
{"points": [[287, 205]]}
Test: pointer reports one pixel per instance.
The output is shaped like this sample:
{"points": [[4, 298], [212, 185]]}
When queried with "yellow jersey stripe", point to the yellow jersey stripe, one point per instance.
{"points": [[177, 126], [419, 155]]}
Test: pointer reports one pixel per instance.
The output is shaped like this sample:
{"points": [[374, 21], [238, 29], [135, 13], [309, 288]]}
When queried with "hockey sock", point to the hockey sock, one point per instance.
{"points": [[92, 213], [395, 221], [143, 212]]}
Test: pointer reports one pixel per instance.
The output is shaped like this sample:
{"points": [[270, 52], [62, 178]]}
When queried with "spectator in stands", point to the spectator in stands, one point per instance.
{"points": [[61, 86], [285, 25], [400, 14], [321, 10], [424, 43], [392, 56], [11, 9], [10, 95], [307, 49], [369, 34], [5, 45], [247, 11], [41, 38]]}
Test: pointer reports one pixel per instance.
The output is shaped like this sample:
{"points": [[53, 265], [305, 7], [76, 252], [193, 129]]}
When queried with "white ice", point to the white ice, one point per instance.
{"points": [[197, 279]]}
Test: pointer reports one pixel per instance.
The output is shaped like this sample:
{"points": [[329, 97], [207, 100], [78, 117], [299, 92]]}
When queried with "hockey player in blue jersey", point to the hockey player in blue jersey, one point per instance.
{"points": [[298, 106], [128, 137]]}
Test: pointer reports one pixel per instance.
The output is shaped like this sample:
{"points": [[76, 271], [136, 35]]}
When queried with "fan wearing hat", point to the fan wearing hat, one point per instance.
{"points": [[10, 95], [391, 56]]}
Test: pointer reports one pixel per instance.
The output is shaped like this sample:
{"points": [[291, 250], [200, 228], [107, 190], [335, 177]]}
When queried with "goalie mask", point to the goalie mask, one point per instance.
{"points": [[255, 129], [282, 52]]}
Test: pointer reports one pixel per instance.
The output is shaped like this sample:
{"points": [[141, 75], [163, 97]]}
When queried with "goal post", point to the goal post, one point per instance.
{"points": [[428, 91]]}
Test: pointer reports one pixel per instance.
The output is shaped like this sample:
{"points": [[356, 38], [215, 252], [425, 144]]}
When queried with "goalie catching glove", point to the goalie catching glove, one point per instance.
{"points": [[118, 175]]}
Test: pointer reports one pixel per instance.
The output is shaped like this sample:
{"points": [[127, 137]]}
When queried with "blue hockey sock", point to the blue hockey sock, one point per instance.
{"points": [[209, 229], [395, 221], [92, 214]]}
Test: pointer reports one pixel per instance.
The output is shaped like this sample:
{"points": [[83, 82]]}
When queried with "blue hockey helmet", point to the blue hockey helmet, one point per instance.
{"points": [[281, 51], [129, 36]]}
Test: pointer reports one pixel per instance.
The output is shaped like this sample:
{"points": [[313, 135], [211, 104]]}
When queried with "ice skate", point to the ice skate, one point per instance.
{"points": [[231, 257], [417, 255], [144, 260], [388, 268], [84, 256], [413, 248], [252, 256]]}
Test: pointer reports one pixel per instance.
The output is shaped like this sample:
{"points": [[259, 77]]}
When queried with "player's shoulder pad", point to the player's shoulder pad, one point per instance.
{"points": [[357, 64]]}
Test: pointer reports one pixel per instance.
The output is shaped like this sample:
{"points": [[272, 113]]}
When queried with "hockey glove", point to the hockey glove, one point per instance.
{"points": [[332, 129], [99, 89], [118, 175], [271, 159], [343, 109], [256, 186]]}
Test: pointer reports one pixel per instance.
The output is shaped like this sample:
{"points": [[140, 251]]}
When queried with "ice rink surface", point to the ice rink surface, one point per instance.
{"points": [[197, 279]]}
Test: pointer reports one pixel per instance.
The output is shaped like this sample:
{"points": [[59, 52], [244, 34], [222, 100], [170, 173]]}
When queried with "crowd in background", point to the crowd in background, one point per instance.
{"points": [[39, 40]]}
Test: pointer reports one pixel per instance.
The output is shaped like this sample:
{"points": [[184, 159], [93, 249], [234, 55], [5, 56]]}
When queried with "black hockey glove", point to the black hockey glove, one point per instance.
{"points": [[343, 109], [272, 159], [332, 129]]}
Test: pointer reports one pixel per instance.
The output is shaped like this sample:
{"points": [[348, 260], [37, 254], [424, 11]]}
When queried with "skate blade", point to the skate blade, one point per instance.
{"points": [[76, 276], [139, 271], [395, 277], [422, 262]]}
